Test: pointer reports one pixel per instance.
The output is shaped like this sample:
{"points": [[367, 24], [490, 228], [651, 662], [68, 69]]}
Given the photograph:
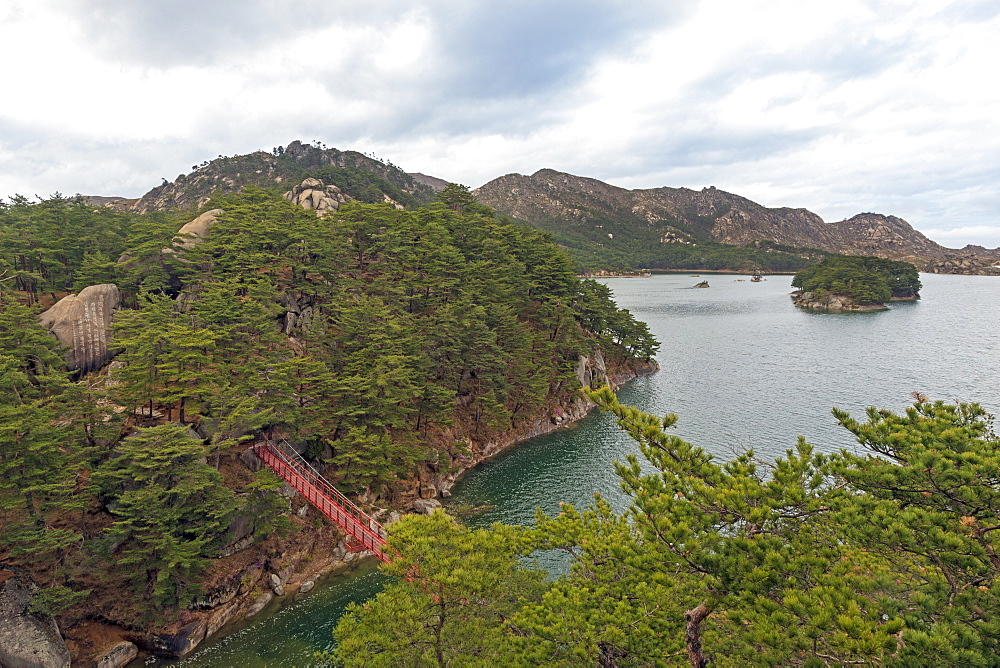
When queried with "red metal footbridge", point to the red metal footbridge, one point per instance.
{"points": [[280, 457]]}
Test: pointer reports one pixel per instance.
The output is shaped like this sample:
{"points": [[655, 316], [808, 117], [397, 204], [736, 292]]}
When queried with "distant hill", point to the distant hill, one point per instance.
{"points": [[359, 176], [661, 228]]}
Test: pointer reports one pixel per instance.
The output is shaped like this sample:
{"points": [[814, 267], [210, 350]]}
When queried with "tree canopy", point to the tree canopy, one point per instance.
{"points": [[885, 556], [392, 342], [866, 280]]}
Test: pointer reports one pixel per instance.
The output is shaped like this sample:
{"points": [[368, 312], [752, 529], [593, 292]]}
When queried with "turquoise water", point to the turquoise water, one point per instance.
{"points": [[743, 368]]}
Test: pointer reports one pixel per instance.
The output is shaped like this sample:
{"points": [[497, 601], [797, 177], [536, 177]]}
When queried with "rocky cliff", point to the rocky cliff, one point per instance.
{"points": [[27, 639], [574, 207]]}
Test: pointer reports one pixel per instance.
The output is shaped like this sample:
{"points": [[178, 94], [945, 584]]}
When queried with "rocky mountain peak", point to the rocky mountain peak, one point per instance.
{"points": [[598, 214], [269, 169]]}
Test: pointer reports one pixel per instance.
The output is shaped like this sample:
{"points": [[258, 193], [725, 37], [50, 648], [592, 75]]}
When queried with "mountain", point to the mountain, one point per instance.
{"points": [[359, 176], [659, 227], [434, 182], [601, 225]]}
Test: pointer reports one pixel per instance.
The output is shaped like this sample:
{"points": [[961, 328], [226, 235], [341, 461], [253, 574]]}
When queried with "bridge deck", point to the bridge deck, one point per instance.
{"points": [[293, 469]]}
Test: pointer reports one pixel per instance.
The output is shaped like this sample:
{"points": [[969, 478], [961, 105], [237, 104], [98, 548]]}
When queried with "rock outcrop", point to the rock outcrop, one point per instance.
{"points": [[829, 301], [432, 182], [119, 655], [82, 322], [27, 640], [194, 232], [314, 194]]}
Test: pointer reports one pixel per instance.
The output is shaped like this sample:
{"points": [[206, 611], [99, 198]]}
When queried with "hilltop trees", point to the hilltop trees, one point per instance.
{"points": [[395, 318]]}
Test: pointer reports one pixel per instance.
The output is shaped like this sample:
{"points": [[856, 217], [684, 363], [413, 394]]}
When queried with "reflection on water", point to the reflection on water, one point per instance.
{"points": [[743, 368]]}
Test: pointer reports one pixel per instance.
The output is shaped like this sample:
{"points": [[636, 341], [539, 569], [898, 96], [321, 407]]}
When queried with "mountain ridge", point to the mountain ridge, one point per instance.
{"points": [[588, 209], [604, 226], [279, 168]]}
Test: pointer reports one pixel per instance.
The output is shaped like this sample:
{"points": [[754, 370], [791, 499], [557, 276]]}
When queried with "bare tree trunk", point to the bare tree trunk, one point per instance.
{"points": [[692, 634]]}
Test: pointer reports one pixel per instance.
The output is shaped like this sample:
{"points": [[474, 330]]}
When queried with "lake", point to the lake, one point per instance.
{"points": [[742, 367]]}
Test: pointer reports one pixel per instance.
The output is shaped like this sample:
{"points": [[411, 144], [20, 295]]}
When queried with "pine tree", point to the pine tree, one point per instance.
{"points": [[452, 605], [171, 511]]}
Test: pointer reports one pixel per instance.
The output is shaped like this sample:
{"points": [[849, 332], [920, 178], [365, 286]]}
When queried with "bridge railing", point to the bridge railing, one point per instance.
{"points": [[290, 466]]}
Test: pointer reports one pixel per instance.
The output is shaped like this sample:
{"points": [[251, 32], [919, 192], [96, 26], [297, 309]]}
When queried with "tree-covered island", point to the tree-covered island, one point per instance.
{"points": [[849, 283]]}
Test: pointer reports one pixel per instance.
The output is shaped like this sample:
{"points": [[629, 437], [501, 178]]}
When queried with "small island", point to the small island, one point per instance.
{"points": [[846, 283]]}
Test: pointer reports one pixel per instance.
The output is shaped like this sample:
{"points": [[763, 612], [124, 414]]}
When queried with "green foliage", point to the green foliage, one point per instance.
{"points": [[390, 339], [54, 600], [866, 280], [38, 459], [927, 503], [457, 197], [398, 316], [60, 243], [171, 511], [452, 606], [884, 558]]}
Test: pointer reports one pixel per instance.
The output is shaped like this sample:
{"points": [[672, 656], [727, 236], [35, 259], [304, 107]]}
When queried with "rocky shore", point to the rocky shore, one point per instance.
{"points": [[832, 302]]}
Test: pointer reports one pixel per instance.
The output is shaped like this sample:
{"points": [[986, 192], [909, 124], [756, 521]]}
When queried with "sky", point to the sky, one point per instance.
{"points": [[887, 106]]}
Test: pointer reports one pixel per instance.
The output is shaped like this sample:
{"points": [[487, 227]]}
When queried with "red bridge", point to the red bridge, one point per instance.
{"points": [[291, 467]]}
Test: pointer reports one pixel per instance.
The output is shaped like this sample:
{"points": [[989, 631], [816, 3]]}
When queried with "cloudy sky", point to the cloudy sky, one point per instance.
{"points": [[840, 107]]}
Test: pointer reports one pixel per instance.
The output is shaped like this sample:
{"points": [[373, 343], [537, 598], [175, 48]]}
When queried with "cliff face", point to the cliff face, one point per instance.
{"points": [[587, 208]]}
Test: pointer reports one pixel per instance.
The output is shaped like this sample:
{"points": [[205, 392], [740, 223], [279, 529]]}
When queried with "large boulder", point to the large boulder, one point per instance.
{"points": [[27, 639], [82, 322], [118, 656], [314, 194], [194, 232]]}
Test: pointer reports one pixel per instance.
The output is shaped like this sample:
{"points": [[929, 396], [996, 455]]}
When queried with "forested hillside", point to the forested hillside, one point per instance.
{"points": [[394, 346]]}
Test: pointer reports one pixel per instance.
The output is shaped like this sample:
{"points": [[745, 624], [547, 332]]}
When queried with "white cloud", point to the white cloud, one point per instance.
{"points": [[979, 235], [859, 105]]}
